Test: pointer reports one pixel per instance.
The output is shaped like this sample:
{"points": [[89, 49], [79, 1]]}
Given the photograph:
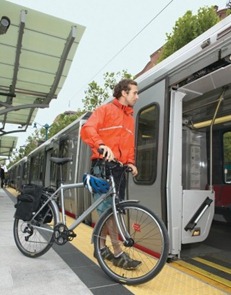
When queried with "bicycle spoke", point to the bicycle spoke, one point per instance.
{"points": [[150, 244], [34, 241]]}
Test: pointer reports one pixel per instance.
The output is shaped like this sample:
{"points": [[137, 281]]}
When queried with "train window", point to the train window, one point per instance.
{"points": [[67, 149], [34, 168], [24, 174], [53, 168], [146, 144], [37, 168], [42, 167], [227, 156]]}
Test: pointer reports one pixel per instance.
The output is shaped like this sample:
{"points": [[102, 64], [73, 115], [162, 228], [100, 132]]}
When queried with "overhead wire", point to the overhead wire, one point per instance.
{"points": [[126, 45], [129, 42]]}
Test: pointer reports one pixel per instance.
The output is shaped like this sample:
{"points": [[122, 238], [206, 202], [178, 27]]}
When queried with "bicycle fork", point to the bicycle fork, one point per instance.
{"points": [[120, 216]]}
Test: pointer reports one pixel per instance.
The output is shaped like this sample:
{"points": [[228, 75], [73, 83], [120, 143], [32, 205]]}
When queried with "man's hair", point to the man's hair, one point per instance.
{"points": [[123, 85]]}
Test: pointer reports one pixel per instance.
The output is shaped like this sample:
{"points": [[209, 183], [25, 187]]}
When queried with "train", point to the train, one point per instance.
{"points": [[182, 142]]}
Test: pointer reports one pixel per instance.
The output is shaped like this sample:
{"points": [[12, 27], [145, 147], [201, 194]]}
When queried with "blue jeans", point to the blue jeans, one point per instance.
{"points": [[104, 205]]}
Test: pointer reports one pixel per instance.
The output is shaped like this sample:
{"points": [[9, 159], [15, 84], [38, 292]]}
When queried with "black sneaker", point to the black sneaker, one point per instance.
{"points": [[125, 262], [106, 254]]}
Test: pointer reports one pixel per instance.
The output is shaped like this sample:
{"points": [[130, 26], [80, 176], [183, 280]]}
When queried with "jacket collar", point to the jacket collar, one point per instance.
{"points": [[127, 109]]}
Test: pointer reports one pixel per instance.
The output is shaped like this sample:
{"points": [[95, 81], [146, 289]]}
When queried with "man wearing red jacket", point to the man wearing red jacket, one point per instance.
{"points": [[111, 128]]}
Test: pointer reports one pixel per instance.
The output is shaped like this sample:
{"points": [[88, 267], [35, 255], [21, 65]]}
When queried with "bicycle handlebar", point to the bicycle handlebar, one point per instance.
{"points": [[100, 151], [127, 168]]}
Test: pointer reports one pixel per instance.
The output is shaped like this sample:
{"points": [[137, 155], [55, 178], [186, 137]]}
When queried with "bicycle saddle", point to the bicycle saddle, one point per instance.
{"points": [[60, 161]]}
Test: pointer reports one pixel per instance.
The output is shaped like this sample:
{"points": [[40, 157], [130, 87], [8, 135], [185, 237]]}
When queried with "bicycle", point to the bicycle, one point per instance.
{"points": [[140, 232]]}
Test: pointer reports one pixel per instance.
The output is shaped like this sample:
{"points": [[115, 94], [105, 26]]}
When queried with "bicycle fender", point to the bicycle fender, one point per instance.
{"points": [[129, 201]]}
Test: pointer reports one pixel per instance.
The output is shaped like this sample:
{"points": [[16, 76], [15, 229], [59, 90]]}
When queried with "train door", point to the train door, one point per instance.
{"points": [[21, 172], [151, 116], [84, 164]]}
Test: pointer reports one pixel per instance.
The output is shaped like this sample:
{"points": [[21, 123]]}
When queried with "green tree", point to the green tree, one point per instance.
{"points": [[95, 95], [31, 143], [62, 121], [187, 28]]}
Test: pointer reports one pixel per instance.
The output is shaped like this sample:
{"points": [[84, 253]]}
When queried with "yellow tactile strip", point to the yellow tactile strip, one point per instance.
{"points": [[214, 265], [170, 281], [204, 275]]}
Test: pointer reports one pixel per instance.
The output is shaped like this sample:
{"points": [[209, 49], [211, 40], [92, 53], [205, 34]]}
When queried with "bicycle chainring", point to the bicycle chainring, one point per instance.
{"points": [[62, 234]]}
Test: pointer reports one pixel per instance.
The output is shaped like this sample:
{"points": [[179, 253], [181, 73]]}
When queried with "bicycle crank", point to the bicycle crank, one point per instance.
{"points": [[62, 234]]}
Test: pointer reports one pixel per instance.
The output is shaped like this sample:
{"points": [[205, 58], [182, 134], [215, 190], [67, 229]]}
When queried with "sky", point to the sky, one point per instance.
{"points": [[120, 35]]}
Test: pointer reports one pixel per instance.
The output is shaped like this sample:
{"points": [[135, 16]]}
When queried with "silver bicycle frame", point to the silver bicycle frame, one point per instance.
{"points": [[111, 192]]}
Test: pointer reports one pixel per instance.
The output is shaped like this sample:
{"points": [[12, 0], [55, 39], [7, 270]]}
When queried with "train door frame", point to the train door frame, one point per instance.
{"points": [[174, 173], [190, 211]]}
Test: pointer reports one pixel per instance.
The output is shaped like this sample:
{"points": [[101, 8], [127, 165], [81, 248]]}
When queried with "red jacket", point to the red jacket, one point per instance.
{"points": [[111, 124]]}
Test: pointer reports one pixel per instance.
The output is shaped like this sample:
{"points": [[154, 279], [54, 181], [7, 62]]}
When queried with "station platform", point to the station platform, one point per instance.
{"points": [[72, 269]]}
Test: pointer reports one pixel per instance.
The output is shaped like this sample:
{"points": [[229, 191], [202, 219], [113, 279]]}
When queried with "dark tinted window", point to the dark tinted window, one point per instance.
{"points": [[146, 144]]}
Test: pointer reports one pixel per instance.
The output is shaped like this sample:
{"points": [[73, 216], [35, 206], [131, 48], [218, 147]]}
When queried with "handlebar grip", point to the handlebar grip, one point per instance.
{"points": [[100, 151], [128, 169]]}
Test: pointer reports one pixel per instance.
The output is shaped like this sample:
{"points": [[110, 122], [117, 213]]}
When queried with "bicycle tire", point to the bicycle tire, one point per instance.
{"points": [[151, 244], [31, 241]]}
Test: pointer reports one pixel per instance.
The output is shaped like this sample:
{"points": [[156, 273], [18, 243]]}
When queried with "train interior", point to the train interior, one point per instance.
{"points": [[206, 150]]}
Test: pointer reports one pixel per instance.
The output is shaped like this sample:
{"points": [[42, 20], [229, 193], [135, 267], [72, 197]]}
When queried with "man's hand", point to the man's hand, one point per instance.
{"points": [[134, 169], [107, 153]]}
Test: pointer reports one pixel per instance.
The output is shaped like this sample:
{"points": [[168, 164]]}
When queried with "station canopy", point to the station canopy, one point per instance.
{"points": [[36, 53]]}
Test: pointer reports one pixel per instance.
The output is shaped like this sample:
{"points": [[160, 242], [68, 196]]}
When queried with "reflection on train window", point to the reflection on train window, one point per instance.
{"points": [[24, 171], [37, 167], [54, 168], [227, 156], [67, 149], [146, 144]]}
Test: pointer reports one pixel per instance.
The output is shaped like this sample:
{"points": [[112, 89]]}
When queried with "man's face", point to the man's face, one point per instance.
{"points": [[132, 96]]}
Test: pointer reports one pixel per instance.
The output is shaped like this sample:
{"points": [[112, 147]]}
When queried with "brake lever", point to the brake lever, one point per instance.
{"points": [[128, 169]]}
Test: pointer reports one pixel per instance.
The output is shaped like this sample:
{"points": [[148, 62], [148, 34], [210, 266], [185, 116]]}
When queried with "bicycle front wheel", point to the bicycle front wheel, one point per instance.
{"points": [[148, 246], [35, 238]]}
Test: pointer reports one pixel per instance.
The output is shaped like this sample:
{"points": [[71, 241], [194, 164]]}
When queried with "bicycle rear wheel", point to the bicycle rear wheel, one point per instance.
{"points": [[35, 241], [150, 243]]}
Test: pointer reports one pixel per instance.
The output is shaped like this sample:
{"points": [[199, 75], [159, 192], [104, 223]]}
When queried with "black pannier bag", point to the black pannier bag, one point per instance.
{"points": [[28, 201], [24, 207], [45, 215]]}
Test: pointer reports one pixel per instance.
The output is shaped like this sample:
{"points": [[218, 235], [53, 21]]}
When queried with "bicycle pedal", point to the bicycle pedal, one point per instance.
{"points": [[71, 235]]}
